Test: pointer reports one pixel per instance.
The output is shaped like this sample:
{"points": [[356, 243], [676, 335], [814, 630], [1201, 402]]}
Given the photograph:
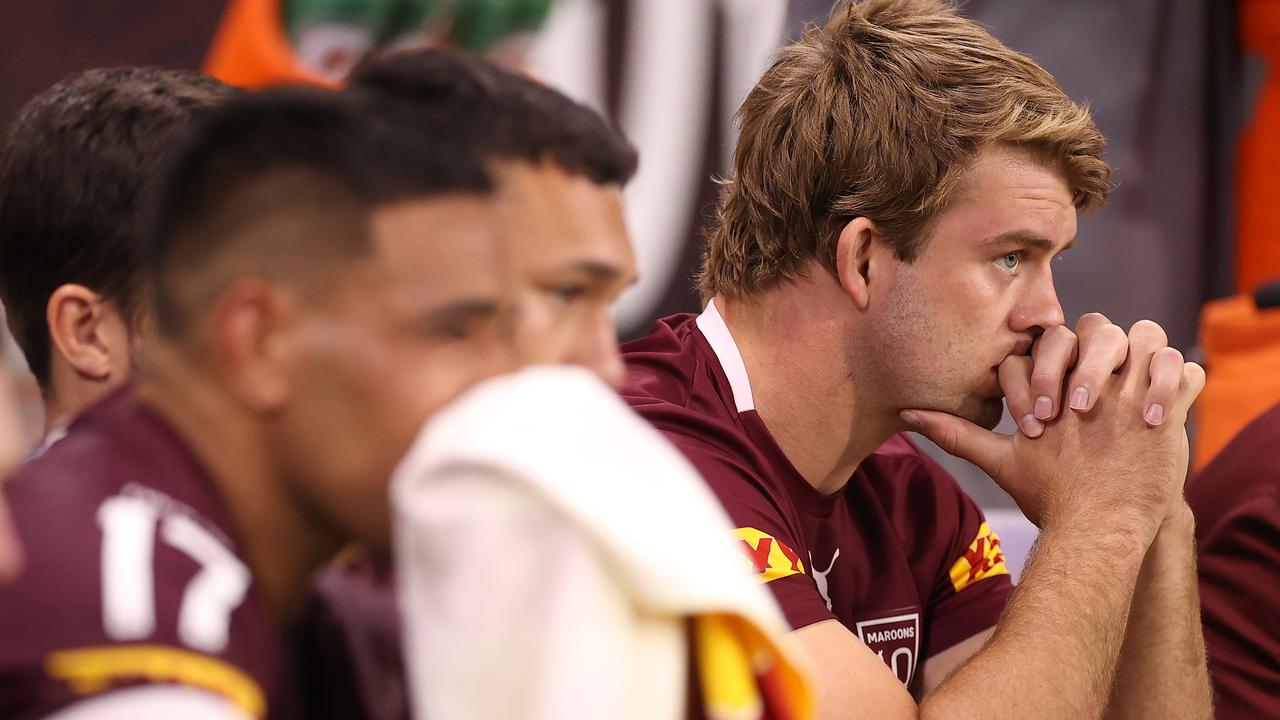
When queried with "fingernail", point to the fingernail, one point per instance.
{"points": [[910, 418], [1031, 427], [1080, 398], [1044, 407], [1155, 414]]}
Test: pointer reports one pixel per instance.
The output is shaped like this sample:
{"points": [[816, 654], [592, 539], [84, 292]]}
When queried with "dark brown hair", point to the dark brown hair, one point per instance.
{"points": [[74, 172]]}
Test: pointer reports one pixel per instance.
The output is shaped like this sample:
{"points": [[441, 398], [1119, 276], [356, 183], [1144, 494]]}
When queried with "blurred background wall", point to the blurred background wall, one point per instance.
{"points": [[1165, 78]]}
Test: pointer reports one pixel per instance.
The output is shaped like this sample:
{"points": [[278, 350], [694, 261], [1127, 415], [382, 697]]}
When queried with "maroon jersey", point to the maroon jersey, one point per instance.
{"points": [[347, 651], [1236, 501], [132, 576], [900, 556]]}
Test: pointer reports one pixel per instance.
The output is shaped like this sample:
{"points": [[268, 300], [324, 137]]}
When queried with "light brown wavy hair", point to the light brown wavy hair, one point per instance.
{"points": [[878, 114]]}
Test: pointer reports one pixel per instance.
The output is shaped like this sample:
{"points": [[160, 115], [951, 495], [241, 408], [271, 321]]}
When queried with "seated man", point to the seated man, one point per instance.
{"points": [[75, 164], [882, 262], [320, 287], [1236, 499]]}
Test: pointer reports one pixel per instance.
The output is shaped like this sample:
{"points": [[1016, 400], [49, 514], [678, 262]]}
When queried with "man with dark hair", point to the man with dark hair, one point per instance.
{"points": [[560, 169], [320, 287], [881, 262], [73, 169], [490, 539]]}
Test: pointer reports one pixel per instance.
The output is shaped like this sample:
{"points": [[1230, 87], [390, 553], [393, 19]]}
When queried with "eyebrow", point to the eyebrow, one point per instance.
{"points": [[598, 271], [1026, 239], [462, 312]]}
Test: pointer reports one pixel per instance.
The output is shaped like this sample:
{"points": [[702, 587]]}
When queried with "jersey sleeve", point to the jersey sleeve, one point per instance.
{"points": [[956, 557], [772, 546], [1239, 577], [104, 606], [153, 702]]}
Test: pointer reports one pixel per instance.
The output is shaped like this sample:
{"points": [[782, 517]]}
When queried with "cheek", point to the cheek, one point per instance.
{"points": [[533, 329]]}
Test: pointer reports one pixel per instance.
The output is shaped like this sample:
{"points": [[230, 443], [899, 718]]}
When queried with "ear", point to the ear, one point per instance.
{"points": [[87, 332], [853, 260], [249, 341]]}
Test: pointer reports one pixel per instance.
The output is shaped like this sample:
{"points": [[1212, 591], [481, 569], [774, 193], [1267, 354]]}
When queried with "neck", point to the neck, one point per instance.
{"points": [[70, 393], [282, 547], [794, 340]]}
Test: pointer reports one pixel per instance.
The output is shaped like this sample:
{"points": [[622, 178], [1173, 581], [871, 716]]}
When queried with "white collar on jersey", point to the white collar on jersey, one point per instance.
{"points": [[718, 336]]}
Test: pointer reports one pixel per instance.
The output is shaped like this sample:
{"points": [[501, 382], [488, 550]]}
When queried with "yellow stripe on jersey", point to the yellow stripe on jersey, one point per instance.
{"points": [[768, 556], [94, 669], [743, 675], [983, 559]]}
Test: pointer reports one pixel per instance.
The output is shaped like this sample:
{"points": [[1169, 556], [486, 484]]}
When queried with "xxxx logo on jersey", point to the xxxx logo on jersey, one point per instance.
{"points": [[983, 559], [769, 556]]}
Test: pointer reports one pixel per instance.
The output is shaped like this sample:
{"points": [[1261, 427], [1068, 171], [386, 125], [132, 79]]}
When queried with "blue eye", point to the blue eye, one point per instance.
{"points": [[1010, 261]]}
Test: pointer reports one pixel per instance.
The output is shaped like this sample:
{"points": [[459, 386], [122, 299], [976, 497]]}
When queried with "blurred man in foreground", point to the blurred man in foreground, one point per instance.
{"points": [[517, 528], [320, 288], [882, 262]]}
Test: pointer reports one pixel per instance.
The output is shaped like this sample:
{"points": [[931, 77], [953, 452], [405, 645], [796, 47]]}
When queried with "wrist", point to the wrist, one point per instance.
{"points": [[1180, 517], [1119, 536]]}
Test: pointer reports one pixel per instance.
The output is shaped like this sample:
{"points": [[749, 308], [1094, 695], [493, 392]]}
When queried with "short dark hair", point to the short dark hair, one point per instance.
{"points": [[314, 162], [74, 167], [496, 113]]}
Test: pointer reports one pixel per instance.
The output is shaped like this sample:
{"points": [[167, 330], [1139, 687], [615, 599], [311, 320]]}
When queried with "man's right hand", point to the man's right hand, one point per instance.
{"points": [[1104, 468]]}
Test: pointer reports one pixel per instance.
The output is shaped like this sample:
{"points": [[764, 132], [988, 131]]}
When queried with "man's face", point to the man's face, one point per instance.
{"points": [[406, 329], [570, 258], [981, 289]]}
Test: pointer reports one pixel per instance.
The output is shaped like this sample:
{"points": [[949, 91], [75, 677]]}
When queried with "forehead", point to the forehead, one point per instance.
{"points": [[553, 217], [1007, 191], [437, 243]]}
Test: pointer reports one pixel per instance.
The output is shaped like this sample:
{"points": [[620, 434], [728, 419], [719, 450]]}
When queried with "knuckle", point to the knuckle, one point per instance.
{"points": [[1110, 334], [1059, 333], [1089, 374], [949, 440], [1193, 375], [1149, 333], [1091, 319], [1046, 371]]}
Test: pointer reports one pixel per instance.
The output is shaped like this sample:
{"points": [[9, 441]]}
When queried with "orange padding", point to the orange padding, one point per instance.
{"points": [[251, 50], [1258, 157], [1242, 358]]}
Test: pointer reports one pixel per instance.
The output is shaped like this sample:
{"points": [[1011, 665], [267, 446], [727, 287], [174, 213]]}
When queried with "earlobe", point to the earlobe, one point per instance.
{"points": [[83, 331], [853, 260]]}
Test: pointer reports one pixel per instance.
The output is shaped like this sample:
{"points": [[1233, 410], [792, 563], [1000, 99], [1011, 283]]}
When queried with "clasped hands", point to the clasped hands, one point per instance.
{"points": [[1101, 415]]}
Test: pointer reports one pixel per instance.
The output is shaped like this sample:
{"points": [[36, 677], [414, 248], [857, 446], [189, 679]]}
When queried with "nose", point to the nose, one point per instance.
{"points": [[597, 350], [1039, 309]]}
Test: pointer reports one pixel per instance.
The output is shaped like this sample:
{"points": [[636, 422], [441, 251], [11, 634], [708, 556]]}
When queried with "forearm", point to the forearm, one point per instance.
{"points": [[1054, 652], [1162, 672]]}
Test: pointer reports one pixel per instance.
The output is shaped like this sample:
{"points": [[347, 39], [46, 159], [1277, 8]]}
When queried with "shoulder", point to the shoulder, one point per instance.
{"points": [[125, 550], [1245, 473], [56, 501], [661, 367]]}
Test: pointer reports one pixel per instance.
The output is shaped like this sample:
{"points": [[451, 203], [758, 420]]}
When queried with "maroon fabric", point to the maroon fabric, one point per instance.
{"points": [[898, 526], [348, 651], [1236, 501], [115, 449]]}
